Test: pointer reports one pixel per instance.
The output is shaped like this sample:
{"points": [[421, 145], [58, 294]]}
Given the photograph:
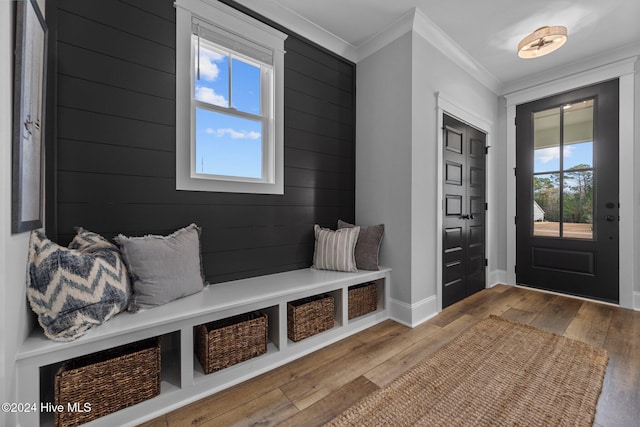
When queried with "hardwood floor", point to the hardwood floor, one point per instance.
{"points": [[312, 390]]}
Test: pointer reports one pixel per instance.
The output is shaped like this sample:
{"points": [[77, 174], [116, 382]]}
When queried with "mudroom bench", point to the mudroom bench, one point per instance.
{"points": [[182, 377]]}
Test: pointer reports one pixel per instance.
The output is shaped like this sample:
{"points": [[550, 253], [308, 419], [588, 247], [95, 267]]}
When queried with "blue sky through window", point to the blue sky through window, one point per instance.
{"points": [[245, 87], [548, 159], [227, 144]]}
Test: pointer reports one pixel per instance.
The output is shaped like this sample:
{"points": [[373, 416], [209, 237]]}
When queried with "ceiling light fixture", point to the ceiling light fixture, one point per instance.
{"points": [[542, 41]]}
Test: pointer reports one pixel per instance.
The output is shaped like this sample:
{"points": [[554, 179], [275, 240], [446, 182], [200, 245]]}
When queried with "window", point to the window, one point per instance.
{"points": [[229, 101], [563, 173]]}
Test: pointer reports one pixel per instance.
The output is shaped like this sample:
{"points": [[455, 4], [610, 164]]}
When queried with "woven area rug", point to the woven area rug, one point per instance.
{"points": [[498, 373]]}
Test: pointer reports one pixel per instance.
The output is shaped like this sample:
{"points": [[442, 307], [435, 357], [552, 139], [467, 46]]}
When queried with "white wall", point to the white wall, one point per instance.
{"points": [[636, 285], [434, 72], [499, 211], [397, 160], [13, 248], [383, 155]]}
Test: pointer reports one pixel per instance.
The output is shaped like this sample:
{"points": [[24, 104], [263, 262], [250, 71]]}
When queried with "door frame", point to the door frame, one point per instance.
{"points": [[624, 71], [455, 109]]}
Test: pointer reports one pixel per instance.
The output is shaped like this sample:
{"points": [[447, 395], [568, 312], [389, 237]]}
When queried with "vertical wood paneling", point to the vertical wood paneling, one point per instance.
{"points": [[114, 169]]}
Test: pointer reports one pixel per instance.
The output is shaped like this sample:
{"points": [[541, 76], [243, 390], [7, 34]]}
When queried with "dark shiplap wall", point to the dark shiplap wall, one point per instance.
{"points": [[115, 161]]}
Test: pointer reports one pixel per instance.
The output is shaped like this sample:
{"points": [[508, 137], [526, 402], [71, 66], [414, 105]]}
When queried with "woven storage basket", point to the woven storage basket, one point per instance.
{"points": [[225, 342], [363, 299], [108, 381], [309, 316]]}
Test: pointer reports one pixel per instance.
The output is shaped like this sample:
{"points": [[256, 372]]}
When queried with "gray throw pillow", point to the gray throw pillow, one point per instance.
{"points": [[163, 268], [368, 245], [334, 250]]}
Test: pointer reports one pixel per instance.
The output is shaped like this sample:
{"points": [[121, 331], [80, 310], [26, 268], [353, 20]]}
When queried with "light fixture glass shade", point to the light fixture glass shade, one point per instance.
{"points": [[542, 41]]}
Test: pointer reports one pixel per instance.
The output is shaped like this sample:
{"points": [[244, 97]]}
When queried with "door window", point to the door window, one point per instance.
{"points": [[563, 174]]}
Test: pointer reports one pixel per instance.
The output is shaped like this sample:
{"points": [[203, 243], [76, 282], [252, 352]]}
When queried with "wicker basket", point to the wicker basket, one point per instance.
{"points": [[363, 299], [229, 341], [309, 316], [107, 381]]}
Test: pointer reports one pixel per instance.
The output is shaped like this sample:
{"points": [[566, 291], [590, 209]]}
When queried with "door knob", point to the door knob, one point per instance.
{"points": [[464, 216], [609, 218]]}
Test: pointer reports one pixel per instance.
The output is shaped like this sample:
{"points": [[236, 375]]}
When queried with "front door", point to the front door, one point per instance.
{"points": [[463, 234], [567, 192]]}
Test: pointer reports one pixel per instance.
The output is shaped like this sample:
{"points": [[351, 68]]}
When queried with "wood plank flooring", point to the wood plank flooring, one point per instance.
{"points": [[312, 390]]}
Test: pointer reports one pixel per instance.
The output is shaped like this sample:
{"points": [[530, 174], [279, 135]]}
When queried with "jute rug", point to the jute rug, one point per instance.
{"points": [[498, 373]]}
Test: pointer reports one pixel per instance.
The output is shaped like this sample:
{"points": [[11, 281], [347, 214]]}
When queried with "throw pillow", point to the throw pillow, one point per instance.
{"points": [[163, 268], [334, 250], [368, 245], [74, 289]]}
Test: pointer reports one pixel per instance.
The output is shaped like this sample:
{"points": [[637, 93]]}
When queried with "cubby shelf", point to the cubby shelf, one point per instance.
{"points": [[183, 379]]}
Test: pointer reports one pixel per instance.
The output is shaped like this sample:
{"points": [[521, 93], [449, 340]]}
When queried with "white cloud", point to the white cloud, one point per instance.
{"points": [[545, 155], [568, 150], [234, 134], [206, 94], [209, 70]]}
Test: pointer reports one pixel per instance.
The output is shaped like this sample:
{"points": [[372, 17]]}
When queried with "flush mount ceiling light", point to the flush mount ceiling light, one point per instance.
{"points": [[542, 41]]}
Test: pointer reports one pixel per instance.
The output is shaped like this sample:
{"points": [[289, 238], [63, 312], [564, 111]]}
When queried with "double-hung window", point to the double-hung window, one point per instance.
{"points": [[229, 96]]}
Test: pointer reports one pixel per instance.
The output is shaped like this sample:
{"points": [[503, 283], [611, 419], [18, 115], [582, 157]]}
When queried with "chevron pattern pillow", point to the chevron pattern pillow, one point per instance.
{"points": [[76, 288]]}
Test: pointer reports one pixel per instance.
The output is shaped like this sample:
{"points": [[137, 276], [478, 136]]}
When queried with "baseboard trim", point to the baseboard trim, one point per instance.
{"points": [[497, 277], [413, 315], [636, 301]]}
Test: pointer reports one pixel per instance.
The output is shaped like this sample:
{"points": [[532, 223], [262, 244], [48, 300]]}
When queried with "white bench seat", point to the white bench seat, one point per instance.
{"points": [[182, 378]]}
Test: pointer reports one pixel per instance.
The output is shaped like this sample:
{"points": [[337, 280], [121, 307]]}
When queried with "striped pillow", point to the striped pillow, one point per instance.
{"points": [[335, 249]]}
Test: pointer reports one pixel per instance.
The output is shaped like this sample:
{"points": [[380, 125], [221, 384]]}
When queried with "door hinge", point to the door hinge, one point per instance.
{"points": [[486, 206], [515, 220], [515, 171], [486, 149], [486, 262], [515, 269], [515, 121]]}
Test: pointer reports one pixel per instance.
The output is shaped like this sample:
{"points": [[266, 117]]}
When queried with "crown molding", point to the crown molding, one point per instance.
{"points": [[391, 33], [284, 16], [583, 78], [592, 63], [440, 40], [414, 20]]}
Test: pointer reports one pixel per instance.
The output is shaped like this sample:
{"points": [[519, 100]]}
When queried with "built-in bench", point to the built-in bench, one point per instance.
{"points": [[182, 377]]}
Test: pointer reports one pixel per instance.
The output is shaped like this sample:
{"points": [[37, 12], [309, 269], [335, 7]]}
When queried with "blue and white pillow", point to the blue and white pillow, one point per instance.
{"points": [[76, 288]]}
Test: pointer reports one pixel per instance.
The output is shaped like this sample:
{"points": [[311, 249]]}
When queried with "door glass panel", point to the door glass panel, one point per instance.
{"points": [[577, 165], [563, 171], [578, 135], [578, 155], [546, 140], [546, 186], [546, 205], [577, 205]]}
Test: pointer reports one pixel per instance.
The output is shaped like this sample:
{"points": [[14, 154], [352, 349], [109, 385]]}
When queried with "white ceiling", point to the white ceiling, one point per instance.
{"points": [[488, 30]]}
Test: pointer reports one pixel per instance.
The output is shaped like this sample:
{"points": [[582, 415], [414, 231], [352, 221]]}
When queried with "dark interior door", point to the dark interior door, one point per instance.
{"points": [[463, 234], [567, 192]]}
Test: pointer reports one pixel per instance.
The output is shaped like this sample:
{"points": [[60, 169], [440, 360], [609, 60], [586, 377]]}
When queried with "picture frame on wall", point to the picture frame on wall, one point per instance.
{"points": [[28, 117]]}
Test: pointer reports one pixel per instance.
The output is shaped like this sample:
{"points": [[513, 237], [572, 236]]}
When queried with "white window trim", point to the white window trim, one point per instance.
{"points": [[238, 23]]}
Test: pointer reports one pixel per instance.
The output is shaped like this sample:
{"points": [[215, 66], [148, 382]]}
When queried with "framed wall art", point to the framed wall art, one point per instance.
{"points": [[28, 117]]}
